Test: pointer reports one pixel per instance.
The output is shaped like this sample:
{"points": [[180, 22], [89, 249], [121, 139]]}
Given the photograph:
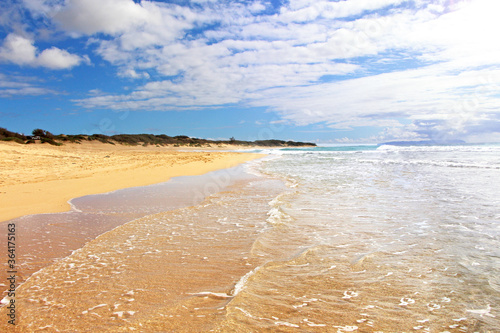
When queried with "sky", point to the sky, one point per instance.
{"points": [[352, 71]]}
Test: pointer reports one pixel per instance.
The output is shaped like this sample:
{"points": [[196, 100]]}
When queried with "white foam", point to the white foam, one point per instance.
{"points": [[97, 306], [346, 328], [310, 323], [349, 294], [460, 319], [240, 285], [5, 301], [482, 312], [300, 306], [213, 294], [432, 306], [276, 216], [245, 312], [47, 326], [285, 323], [406, 300], [73, 207]]}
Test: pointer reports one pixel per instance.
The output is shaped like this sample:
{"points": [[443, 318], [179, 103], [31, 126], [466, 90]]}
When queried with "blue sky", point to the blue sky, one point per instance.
{"points": [[325, 71]]}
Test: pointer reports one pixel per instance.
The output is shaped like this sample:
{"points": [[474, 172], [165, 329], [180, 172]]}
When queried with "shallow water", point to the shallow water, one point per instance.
{"points": [[394, 239], [45, 238], [365, 239], [173, 270]]}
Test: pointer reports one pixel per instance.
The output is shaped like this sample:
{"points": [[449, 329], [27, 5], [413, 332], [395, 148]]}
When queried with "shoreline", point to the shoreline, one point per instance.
{"points": [[40, 179], [191, 255], [48, 236]]}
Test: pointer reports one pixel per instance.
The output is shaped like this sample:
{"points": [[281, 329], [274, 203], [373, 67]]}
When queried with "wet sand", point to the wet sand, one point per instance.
{"points": [[42, 239], [42, 179], [37, 179], [171, 271]]}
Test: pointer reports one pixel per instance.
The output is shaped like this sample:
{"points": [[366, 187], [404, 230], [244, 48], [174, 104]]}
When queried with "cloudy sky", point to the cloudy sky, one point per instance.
{"points": [[315, 70]]}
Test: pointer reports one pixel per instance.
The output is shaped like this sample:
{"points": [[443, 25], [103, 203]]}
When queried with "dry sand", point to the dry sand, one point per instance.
{"points": [[38, 179]]}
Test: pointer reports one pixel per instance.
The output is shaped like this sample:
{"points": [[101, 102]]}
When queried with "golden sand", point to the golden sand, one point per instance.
{"points": [[38, 179], [41, 179], [174, 271]]}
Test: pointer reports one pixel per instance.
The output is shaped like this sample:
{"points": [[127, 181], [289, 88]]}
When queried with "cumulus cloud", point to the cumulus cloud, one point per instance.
{"points": [[342, 64], [18, 50], [135, 25], [55, 58], [21, 51], [108, 16]]}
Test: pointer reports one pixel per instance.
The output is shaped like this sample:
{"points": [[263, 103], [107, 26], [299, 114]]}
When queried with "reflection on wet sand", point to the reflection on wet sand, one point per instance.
{"points": [[172, 270]]}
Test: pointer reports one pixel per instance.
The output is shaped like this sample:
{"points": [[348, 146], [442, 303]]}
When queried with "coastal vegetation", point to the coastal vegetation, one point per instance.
{"points": [[39, 135]]}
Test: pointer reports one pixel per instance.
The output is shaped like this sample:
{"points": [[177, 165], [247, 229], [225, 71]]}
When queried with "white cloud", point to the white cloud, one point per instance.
{"points": [[11, 86], [55, 58], [18, 50], [427, 93], [306, 11], [108, 16], [342, 63], [256, 7], [132, 74], [21, 51]]}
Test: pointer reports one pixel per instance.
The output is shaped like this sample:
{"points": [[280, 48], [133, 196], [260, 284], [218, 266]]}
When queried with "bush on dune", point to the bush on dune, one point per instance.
{"points": [[6, 135], [140, 139]]}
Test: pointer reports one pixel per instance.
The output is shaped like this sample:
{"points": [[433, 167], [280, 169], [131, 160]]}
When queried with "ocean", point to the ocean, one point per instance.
{"points": [[327, 239], [389, 238]]}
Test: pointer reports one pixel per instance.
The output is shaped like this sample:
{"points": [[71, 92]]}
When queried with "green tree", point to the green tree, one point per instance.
{"points": [[41, 133]]}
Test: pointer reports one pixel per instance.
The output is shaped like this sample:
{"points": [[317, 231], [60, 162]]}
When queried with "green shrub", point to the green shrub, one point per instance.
{"points": [[4, 134], [51, 141], [13, 139]]}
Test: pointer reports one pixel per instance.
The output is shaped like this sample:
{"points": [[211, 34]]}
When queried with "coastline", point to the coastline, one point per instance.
{"points": [[47, 236], [155, 272], [37, 179]]}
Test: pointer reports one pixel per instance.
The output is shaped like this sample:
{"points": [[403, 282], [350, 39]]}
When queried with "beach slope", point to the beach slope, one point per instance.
{"points": [[38, 179]]}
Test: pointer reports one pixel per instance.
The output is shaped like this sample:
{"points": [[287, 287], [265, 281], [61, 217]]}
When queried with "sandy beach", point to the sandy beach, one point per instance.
{"points": [[42, 178], [38, 179]]}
